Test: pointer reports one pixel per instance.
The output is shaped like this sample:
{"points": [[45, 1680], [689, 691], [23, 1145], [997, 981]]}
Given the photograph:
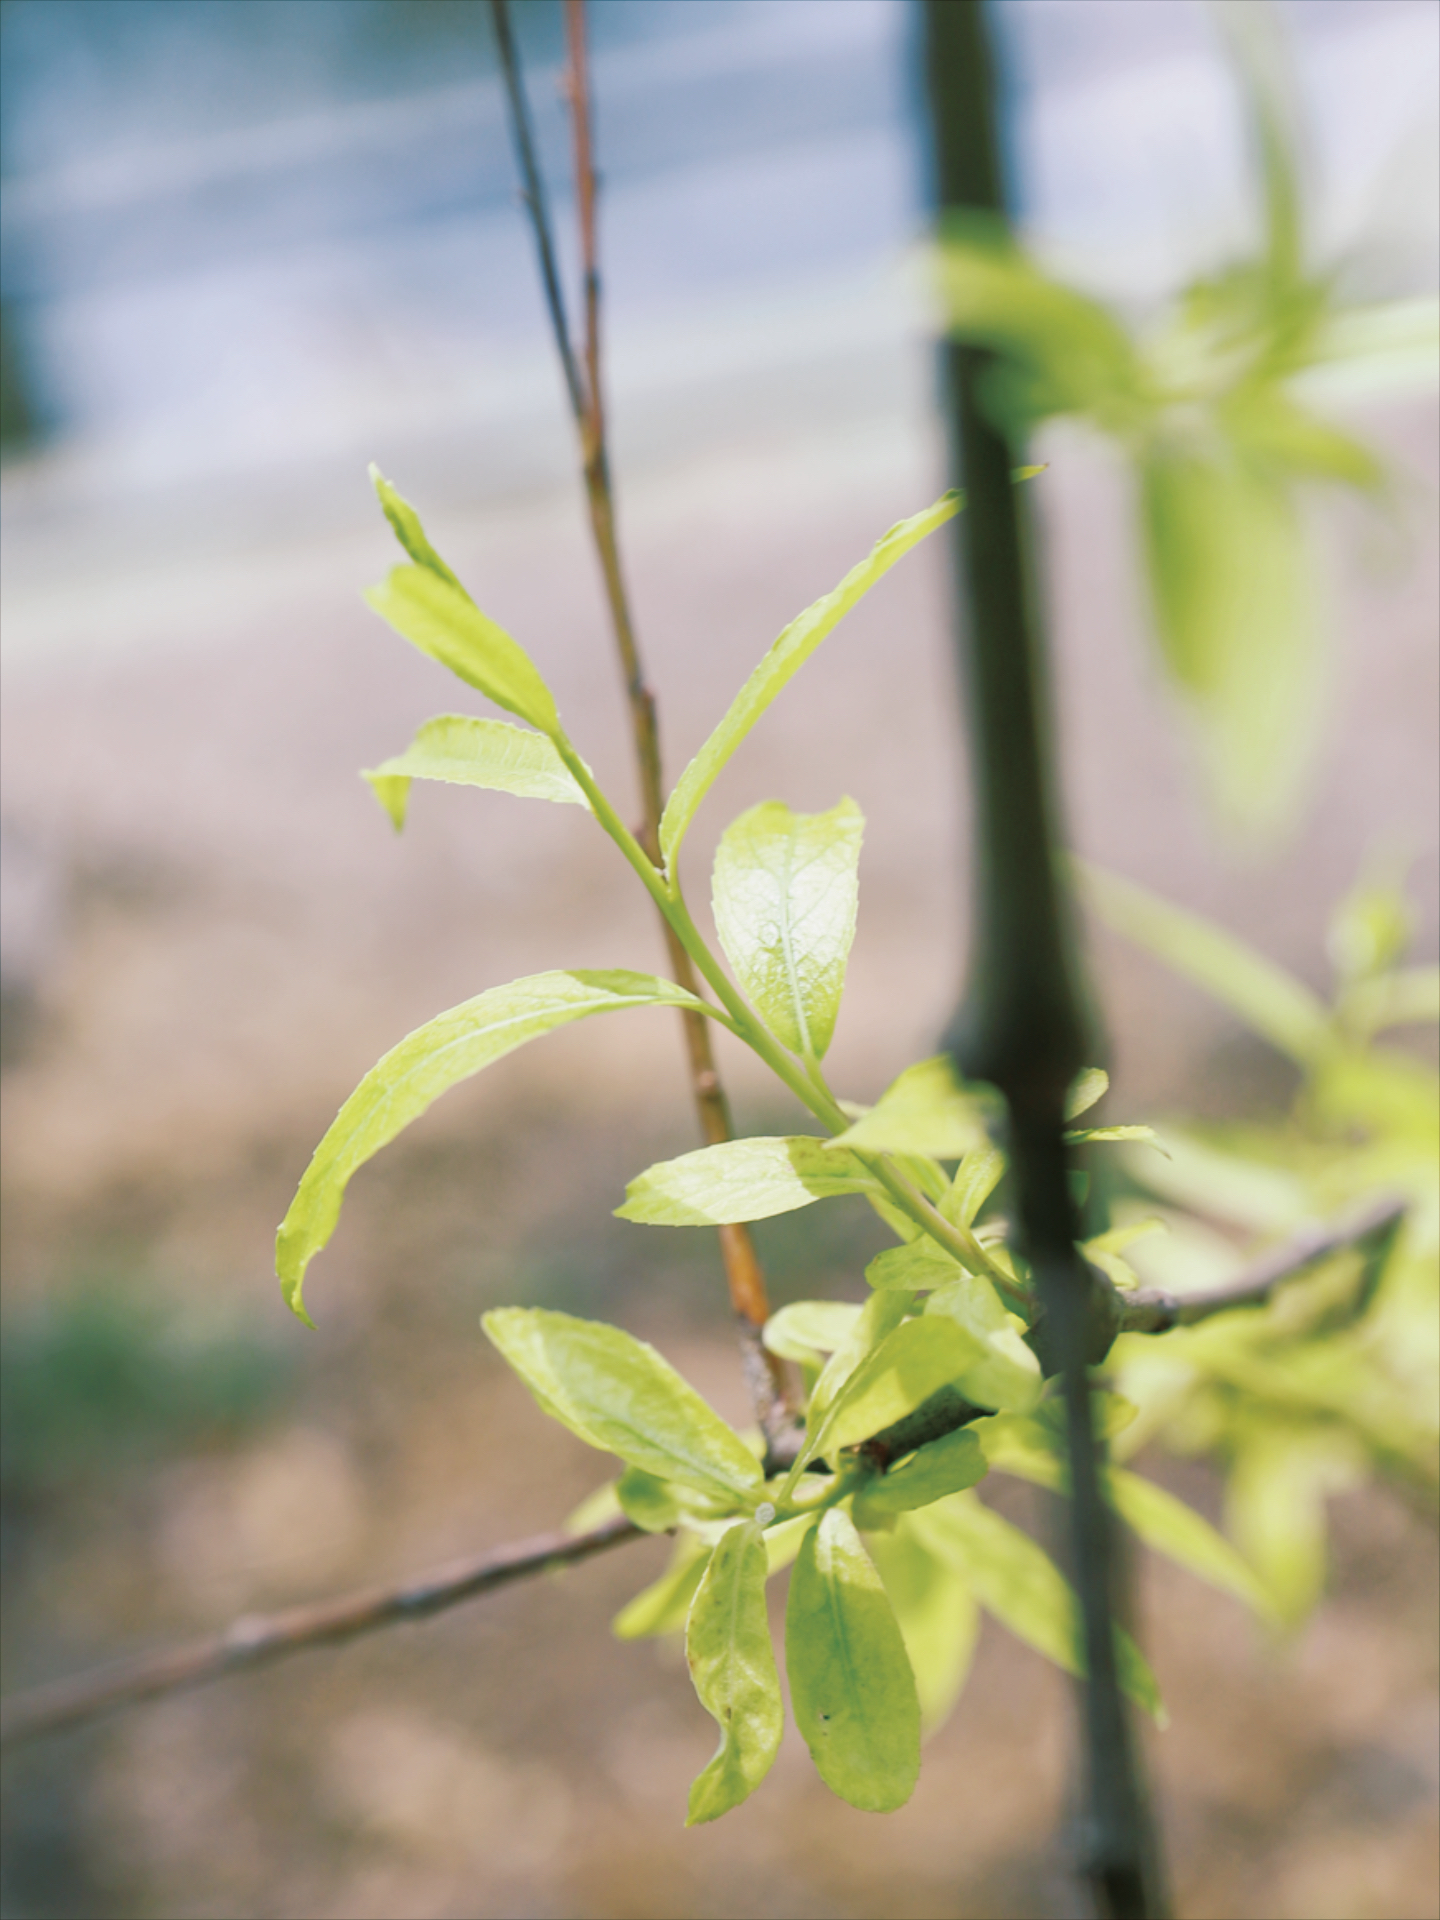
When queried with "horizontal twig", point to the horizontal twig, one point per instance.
{"points": [[1154, 1311], [256, 1639]]}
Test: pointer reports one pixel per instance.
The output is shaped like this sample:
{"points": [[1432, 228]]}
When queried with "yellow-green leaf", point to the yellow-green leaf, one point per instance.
{"points": [[741, 1180], [727, 1646], [469, 752], [441, 619]]}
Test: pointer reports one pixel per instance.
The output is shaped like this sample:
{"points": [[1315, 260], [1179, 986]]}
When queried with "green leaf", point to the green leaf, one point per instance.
{"points": [[1006, 1373], [976, 1178], [785, 893], [908, 1365], [663, 1606], [408, 531], [925, 1111], [1089, 1087], [1224, 1186], [784, 660], [426, 1064], [1081, 1136], [1409, 996], [1170, 1527], [877, 1320], [808, 1328], [618, 1394], [741, 1180], [727, 1646], [937, 1616], [851, 1687], [916, 1267], [1068, 354], [1020, 1584], [1275, 1509], [1270, 1001], [649, 1502], [944, 1466], [443, 621], [1236, 614], [468, 752]]}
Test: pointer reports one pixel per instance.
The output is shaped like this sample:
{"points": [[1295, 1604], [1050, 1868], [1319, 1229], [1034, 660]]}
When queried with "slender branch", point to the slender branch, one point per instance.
{"points": [[766, 1375], [1154, 1311], [256, 1640]]}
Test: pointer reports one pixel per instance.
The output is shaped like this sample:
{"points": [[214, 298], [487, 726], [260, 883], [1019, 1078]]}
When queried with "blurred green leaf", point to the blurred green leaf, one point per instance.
{"points": [[426, 1064], [662, 1607], [727, 1646], [649, 1502], [741, 1180], [1171, 1527], [1275, 1507], [443, 621], [925, 1111], [1409, 996], [877, 1320], [851, 1687], [618, 1394], [1274, 1003], [1225, 1186], [937, 1616], [784, 660], [1017, 1581], [1235, 605], [1369, 930], [467, 752], [785, 893]]}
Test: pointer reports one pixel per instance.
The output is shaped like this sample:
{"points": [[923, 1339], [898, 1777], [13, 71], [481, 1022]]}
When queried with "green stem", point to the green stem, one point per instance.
{"points": [[808, 1087]]}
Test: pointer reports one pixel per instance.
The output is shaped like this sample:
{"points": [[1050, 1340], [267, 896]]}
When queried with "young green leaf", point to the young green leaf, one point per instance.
{"points": [[945, 1466], [1272, 1002], [976, 1178], [649, 1502], [910, 1364], [916, 1267], [1233, 588], [426, 1064], [1168, 1526], [937, 1616], [1019, 1583], [925, 1111], [405, 522], [808, 1328], [443, 621], [468, 752], [1089, 1087], [664, 1605], [876, 1321], [851, 1686], [741, 1180], [785, 894], [1082, 1136], [1006, 1373], [727, 1646], [1275, 1508], [784, 660], [618, 1394]]}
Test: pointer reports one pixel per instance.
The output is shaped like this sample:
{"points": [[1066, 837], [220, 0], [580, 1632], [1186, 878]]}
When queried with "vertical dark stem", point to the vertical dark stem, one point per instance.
{"points": [[765, 1374], [1023, 1024]]}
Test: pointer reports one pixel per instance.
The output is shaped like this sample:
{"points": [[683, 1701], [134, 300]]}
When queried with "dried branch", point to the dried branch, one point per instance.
{"points": [[1154, 1311], [257, 1639], [766, 1375]]}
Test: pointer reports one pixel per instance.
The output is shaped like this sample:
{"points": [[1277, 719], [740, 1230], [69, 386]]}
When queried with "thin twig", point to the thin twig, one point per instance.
{"points": [[1154, 1311], [257, 1639], [765, 1374]]}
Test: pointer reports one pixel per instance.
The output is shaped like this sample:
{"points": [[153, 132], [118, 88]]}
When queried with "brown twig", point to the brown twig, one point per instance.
{"points": [[1154, 1311], [257, 1639], [765, 1374]]}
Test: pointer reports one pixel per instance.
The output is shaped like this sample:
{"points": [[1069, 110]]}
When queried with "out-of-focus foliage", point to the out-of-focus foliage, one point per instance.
{"points": [[1338, 1377], [1208, 405]]}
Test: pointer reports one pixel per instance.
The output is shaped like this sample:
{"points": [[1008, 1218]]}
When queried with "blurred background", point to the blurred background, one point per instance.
{"points": [[250, 245]]}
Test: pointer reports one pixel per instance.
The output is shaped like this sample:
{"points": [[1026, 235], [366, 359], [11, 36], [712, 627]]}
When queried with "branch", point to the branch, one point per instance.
{"points": [[1154, 1311], [765, 1373], [257, 1639]]}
